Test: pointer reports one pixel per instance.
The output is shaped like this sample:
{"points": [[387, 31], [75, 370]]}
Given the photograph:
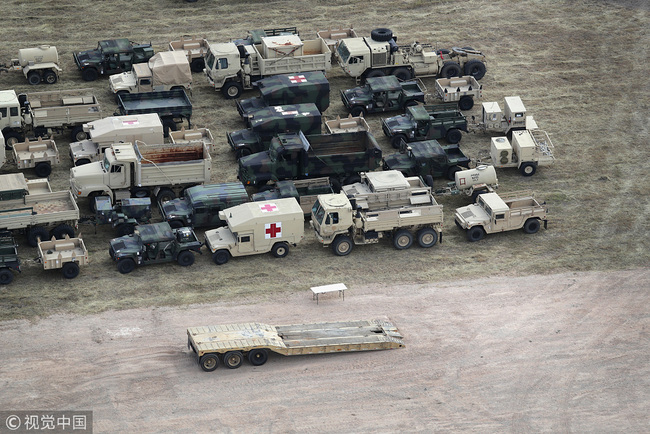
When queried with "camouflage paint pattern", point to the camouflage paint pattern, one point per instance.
{"points": [[381, 94], [166, 103], [113, 55], [131, 210], [427, 158], [425, 122]]}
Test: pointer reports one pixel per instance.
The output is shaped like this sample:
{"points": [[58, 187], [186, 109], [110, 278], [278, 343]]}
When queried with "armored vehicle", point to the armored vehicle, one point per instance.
{"points": [[9, 261], [39, 64], [428, 158], [200, 205], [110, 57], [153, 244], [425, 123], [305, 191], [383, 94], [124, 215], [173, 106], [529, 149]]}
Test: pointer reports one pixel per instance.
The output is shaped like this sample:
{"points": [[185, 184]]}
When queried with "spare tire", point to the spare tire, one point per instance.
{"points": [[381, 35]]}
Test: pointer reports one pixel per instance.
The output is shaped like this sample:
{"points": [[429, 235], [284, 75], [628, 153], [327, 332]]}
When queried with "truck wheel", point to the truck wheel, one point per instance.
{"points": [[82, 161], [125, 229], [450, 70], [185, 258], [243, 152], [531, 226], [396, 140], [381, 34], [140, 192], [451, 173], [35, 233], [220, 257], [70, 270], [475, 233], [89, 74], [528, 169], [475, 68], [280, 250], [232, 90], [197, 65], [119, 94], [126, 265], [62, 230], [6, 276], [34, 78], [427, 237], [375, 73], [403, 74], [168, 125], [357, 111], [258, 356], [453, 136], [402, 239], [209, 362], [466, 102], [165, 195], [342, 245], [78, 134], [11, 138], [43, 169], [233, 359], [50, 77]]}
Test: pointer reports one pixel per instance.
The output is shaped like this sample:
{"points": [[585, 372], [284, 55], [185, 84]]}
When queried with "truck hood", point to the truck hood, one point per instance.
{"points": [[176, 208], [83, 149], [355, 96], [400, 162], [87, 178], [88, 57], [471, 215], [242, 138], [255, 168], [124, 246], [399, 123], [220, 238], [121, 81]]}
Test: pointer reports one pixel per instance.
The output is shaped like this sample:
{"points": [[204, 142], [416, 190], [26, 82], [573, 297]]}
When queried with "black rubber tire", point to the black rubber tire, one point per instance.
{"points": [[475, 68], [40, 132], [220, 257], [396, 140], [280, 250], [402, 239], [140, 192], [450, 70], [466, 102], [124, 229], [232, 90], [475, 233], [78, 134], [532, 226], [335, 184], [352, 179], [165, 195], [176, 224], [50, 77], [528, 169], [428, 180], [185, 258], [403, 74], [209, 362], [119, 94], [243, 152], [233, 359], [43, 169], [342, 245], [357, 111], [427, 237], [197, 65], [375, 73], [168, 126], [381, 34], [70, 270], [6, 276], [258, 356], [454, 136], [34, 78], [89, 74], [82, 161], [451, 172], [61, 231], [36, 232], [126, 265], [11, 138]]}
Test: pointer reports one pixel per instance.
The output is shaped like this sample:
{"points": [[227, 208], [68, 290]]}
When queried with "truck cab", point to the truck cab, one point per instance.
{"points": [[357, 55], [224, 61], [113, 172], [11, 120], [331, 216]]}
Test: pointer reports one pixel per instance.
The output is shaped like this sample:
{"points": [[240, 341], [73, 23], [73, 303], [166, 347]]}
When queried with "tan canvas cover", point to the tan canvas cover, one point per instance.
{"points": [[170, 67]]}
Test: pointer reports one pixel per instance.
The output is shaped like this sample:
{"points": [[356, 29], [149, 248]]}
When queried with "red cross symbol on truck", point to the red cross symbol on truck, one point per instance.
{"points": [[268, 207], [273, 230], [297, 79]]}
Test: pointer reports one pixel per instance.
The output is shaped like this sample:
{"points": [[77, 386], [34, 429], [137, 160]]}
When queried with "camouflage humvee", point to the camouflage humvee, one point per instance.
{"points": [[123, 216], [425, 123], [382, 94], [110, 57], [8, 258], [201, 204], [428, 158]]}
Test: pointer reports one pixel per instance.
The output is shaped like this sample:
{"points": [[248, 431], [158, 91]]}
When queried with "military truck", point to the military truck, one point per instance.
{"points": [[195, 48], [173, 106], [111, 57], [39, 64], [340, 222], [102, 133], [31, 207], [529, 149], [193, 135], [38, 154], [296, 156], [124, 215], [140, 170], [230, 344], [513, 118], [257, 227], [386, 189], [9, 261], [383, 94], [380, 55], [425, 123], [351, 124], [232, 67], [265, 123], [461, 89], [499, 213], [41, 114], [166, 70], [305, 191], [200, 205], [66, 254], [471, 182], [283, 89], [154, 243], [428, 158]]}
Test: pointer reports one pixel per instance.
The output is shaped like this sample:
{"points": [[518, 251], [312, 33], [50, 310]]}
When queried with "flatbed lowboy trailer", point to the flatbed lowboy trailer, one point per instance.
{"points": [[230, 343]]}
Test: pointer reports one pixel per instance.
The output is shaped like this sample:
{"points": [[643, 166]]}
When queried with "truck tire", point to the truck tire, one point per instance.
{"points": [[453, 136], [232, 90], [6, 276], [466, 102], [34, 78], [78, 134], [342, 245], [43, 169], [50, 77], [403, 74], [528, 169], [402, 239], [124, 229], [258, 356], [233, 359], [532, 226], [450, 70], [165, 195], [243, 152], [197, 65], [168, 125], [70, 270], [62, 230], [89, 74], [82, 161], [140, 192], [280, 250], [475, 233], [375, 73], [475, 68], [40, 132], [451, 172], [396, 140], [35, 233], [427, 237], [185, 258], [220, 257], [11, 138], [358, 110], [126, 265], [381, 34], [209, 362]]}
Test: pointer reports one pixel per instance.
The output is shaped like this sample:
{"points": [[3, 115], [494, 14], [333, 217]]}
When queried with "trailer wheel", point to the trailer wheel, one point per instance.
{"points": [[258, 356], [50, 77], [453, 136], [165, 195], [232, 90], [185, 258], [220, 257], [451, 173], [342, 245], [168, 125], [126, 265], [78, 134], [528, 169], [11, 138], [34, 78], [197, 65], [125, 229], [209, 362], [531, 226], [381, 34], [466, 102], [6, 276], [233, 359], [89, 74], [35, 233], [43, 169], [403, 74], [427, 237], [62, 230], [357, 111], [70, 270], [280, 250], [396, 140], [450, 70], [475, 68], [475, 233], [402, 239]]}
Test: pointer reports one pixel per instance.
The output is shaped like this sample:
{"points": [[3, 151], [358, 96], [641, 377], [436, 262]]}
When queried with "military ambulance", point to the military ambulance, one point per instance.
{"points": [[257, 227]]}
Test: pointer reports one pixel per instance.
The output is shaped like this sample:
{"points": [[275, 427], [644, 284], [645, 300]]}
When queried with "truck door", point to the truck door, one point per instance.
{"points": [[145, 85], [245, 242], [117, 176], [499, 222]]}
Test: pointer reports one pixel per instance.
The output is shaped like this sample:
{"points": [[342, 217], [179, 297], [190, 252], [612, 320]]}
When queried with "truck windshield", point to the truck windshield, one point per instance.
{"points": [[107, 164], [209, 60], [318, 212], [273, 153], [344, 54]]}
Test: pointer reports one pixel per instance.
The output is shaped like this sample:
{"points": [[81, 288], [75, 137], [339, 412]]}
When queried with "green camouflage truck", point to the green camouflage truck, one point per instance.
{"points": [[428, 159], [173, 106], [296, 156], [424, 123], [110, 57], [383, 94], [124, 215], [200, 205], [307, 87], [9, 261], [265, 123]]}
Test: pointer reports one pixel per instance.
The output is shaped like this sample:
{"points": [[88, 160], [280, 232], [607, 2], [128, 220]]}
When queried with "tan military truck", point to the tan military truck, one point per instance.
{"points": [[38, 154], [528, 150], [499, 213], [257, 227], [66, 254], [195, 49], [38, 64], [166, 70]]}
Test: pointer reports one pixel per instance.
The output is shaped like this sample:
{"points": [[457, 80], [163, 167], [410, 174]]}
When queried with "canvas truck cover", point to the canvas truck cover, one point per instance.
{"points": [[170, 67]]}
